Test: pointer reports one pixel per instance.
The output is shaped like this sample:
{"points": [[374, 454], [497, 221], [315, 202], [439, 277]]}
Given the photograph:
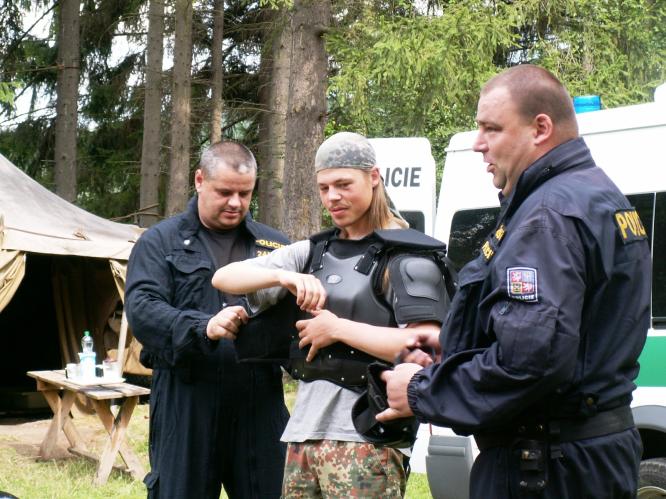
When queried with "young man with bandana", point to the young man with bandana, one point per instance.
{"points": [[361, 308]]}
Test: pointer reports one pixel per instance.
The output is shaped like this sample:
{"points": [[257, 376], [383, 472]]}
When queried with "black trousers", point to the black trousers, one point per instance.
{"points": [[214, 430], [605, 466]]}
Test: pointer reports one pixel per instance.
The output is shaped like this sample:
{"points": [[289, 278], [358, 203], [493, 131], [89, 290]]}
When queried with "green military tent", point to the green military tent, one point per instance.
{"points": [[62, 271]]}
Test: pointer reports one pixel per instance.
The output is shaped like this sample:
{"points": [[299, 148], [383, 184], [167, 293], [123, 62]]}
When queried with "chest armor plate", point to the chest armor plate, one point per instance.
{"points": [[350, 293]]}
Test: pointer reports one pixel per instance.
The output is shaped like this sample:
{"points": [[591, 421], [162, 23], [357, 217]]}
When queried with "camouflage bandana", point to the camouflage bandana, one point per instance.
{"points": [[345, 150]]}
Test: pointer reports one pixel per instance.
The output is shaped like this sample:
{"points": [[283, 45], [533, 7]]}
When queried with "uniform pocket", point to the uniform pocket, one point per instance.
{"points": [[191, 275], [188, 264], [461, 329], [526, 336]]}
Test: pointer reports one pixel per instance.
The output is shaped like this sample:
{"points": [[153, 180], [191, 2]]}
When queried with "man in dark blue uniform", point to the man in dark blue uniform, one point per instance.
{"points": [[540, 349], [213, 421]]}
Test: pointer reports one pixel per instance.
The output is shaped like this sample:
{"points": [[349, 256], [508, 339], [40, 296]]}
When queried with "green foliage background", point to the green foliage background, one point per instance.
{"points": [[420, 73], [397, 68]]}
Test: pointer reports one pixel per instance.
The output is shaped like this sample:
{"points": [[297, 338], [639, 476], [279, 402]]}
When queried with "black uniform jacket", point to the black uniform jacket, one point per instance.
{"points": [[169, 295], [551, 317]]}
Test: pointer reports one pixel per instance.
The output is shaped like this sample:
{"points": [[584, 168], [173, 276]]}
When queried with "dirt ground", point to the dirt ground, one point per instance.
{"points": [[25, 434]]}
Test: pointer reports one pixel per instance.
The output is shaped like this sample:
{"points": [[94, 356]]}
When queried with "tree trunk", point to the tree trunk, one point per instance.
{"points": [[152, 118], [179, 168], [67, 100], [217, 82], [306, 116], [275, 94]]}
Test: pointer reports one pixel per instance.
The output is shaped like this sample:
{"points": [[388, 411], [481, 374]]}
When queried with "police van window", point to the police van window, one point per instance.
{"points": [[659, 263], [468, 230], [415, 219]]}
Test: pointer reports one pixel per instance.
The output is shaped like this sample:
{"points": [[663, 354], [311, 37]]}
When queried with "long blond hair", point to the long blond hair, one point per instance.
{"points": [[380, 215]]}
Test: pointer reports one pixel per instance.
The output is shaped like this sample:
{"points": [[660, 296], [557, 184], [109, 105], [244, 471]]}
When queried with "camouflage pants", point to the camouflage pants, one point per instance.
{"points": [[332, 469]]}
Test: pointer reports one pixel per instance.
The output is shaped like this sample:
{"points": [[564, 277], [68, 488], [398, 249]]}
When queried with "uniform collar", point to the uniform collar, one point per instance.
{"points": [[570, 154]]}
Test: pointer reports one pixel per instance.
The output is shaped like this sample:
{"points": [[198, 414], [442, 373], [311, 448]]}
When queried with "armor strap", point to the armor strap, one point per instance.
{"points": [[318, 255], [364, 264], [449, 271]]}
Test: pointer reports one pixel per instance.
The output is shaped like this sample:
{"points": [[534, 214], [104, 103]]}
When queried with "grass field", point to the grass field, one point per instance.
{"points": [[24, 476]]}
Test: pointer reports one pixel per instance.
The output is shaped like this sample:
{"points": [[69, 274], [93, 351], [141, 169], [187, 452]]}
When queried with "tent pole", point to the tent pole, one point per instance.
{"points": [[122, 338]]}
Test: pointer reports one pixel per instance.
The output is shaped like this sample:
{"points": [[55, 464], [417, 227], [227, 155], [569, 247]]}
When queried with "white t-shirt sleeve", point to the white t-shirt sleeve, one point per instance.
{"points": [[292, 257]]}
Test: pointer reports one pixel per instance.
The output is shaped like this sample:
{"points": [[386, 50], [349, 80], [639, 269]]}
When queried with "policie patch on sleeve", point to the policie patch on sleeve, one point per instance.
{"points": [[521, 283], [629, 226]]}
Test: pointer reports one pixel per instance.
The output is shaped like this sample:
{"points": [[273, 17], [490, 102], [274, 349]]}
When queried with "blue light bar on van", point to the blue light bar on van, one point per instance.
{"points": [[586, 103]]}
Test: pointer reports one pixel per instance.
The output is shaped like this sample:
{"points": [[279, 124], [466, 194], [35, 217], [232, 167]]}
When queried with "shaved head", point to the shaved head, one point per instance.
{"points": [[229, 154], [535, 91]]}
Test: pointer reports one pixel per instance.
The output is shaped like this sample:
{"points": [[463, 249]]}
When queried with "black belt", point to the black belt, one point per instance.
{"points": [[562, 430], [346, 373]]}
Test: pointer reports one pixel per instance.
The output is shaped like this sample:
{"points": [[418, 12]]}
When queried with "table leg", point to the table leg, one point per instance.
{"points": [[61, 421], [117, 427]]}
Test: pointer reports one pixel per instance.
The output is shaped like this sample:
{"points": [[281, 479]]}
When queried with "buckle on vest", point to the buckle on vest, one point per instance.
{"points": [[364, 264]]}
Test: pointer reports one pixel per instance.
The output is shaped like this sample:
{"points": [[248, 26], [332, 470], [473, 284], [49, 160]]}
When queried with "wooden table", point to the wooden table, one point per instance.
{"points": [[60, 394]]}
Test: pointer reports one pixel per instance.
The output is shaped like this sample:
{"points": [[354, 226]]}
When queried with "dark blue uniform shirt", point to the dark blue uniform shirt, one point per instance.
{"points": [[213, 421], [170, 295], [550, 319]]}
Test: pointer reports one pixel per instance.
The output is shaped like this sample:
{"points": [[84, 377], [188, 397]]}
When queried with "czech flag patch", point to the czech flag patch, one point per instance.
{"points": [[521, 283]]}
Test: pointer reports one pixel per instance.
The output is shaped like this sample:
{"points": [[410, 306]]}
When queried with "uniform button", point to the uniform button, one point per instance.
{"points": [[187, 242], [540, 427], [351, 352], [589, 401], [526, 454], [523, 483]]}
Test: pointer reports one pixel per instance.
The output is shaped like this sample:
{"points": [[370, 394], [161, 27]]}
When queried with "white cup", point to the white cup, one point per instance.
{"points": [[71, 371], [111, 369]]}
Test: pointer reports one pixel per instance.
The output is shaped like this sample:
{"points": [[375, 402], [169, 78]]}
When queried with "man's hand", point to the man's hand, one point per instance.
{"points": [[308, 290], [318, 332], [421, 348], [396, 390], [226, 323]]}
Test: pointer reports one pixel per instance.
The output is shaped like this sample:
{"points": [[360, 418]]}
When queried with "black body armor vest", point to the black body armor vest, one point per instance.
{"points": [[354, 285]]}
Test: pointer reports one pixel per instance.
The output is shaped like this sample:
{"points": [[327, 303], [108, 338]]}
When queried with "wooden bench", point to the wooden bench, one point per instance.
{"points": [[60, 394]]}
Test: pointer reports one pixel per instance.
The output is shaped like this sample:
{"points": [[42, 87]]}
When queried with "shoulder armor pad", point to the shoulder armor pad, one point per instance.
{"points": [[421, 277], [419, 289], [409, 238]]}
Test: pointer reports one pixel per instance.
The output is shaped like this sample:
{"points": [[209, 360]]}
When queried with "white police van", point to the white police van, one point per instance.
{"points": [[628, 143]]}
